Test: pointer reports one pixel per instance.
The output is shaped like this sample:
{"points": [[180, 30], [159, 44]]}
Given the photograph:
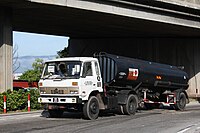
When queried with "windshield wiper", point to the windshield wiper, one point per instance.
{"points": [[47, 76], [50, 75]]}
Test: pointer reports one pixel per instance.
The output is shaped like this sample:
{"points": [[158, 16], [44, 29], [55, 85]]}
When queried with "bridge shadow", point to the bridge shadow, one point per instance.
{"points": [[73, 115], [79, 115], [103, 114]]}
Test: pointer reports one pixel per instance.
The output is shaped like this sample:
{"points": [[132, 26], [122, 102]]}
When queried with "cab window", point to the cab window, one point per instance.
{"points": [[87, 69], [97, 69]]}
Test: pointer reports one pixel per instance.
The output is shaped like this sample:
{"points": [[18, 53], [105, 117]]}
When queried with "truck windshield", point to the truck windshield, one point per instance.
{"points": [[62, 69]]}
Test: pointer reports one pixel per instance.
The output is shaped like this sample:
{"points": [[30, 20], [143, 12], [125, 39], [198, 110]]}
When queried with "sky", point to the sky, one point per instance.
{"points": [[31, 44]]}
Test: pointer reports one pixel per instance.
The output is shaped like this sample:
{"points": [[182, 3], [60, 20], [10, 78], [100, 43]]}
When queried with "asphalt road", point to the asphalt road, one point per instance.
{"points": [[151, 121]]}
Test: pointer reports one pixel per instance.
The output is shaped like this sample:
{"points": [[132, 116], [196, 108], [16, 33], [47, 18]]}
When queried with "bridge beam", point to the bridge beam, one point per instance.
{"points": [[6, 80]]}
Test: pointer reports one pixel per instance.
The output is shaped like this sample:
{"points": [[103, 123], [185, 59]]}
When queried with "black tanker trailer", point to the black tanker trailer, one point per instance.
{"points": [[151, 84]]}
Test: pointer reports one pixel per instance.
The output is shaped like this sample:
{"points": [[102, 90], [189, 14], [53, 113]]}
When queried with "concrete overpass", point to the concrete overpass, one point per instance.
{"points": [[104, 18], [166, 31]]}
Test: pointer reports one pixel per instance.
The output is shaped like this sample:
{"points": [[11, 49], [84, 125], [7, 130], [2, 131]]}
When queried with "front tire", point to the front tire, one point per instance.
{"points": [[91, 108], [131, 105]]}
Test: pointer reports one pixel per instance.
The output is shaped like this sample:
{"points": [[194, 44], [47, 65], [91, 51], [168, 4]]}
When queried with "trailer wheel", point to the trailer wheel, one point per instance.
{"points": [[181, 103], [55, 113], [131, 105], [91, 108]]}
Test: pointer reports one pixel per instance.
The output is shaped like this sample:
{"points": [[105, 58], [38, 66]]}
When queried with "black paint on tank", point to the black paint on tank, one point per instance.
{"points": [[122, 71]]}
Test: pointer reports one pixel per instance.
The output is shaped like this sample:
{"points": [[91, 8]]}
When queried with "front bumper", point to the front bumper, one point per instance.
{"points": [[49, 100]]}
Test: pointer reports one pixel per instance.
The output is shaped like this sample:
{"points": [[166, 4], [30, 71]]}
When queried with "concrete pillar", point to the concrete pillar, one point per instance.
{"points": [[6, 78]]}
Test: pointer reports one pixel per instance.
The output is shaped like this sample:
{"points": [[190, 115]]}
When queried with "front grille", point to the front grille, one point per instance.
{"points": [[58, 90]]}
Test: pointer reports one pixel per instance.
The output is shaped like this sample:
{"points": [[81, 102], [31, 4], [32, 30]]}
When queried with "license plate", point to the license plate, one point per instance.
{"points": [[55, 100]]}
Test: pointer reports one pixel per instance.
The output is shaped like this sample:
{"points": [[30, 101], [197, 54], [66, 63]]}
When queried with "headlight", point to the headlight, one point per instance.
{"points": [[42, 90], [73, 91]]}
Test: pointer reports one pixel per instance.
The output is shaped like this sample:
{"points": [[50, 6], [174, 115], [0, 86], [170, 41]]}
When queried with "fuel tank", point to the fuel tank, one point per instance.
{"points": [[122, 71]]}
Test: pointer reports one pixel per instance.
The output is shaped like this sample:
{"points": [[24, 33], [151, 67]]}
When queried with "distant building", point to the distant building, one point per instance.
{"points": [[23, 84], [16, 76]]}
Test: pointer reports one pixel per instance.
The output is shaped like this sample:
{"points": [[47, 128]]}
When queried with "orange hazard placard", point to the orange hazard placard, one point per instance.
{"points": [[133, 74]]}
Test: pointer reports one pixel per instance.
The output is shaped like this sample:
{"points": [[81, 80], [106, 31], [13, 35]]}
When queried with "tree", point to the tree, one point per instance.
{"points": [[63, 53], [35, 73], [38, 65], [16, 63]]}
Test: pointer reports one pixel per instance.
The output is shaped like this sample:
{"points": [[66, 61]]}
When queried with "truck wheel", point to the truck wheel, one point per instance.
{"points": [[131, 105], [91, 108], [55, 113], [180, 105]]}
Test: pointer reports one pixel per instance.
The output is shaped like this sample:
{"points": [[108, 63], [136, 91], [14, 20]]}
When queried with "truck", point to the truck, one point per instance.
{"points": [[91, 85]]}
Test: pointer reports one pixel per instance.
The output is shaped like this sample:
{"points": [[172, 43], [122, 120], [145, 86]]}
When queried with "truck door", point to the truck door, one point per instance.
{"points": [[88, 80], [92, 78], [97, 75]]}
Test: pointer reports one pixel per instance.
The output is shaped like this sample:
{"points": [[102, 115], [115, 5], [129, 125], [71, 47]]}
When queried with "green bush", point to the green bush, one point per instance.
{"points": [[18, 100], [1, 102]]}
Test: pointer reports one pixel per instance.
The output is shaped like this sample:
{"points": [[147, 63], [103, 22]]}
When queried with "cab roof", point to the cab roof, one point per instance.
{"points": [[73, 59]]}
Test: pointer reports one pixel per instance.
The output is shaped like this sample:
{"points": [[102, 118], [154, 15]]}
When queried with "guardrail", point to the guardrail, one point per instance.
{"points": [[4, 103]]}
